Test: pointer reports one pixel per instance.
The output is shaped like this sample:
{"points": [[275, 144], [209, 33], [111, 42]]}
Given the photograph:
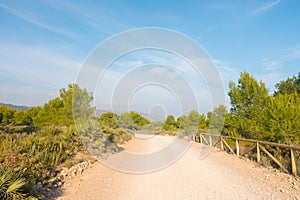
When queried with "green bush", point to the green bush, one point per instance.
{"points": [[36, 156], [12, 185]]}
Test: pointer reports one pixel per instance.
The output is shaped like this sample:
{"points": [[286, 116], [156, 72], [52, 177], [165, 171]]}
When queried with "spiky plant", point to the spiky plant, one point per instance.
{"points": [[11, 185]]}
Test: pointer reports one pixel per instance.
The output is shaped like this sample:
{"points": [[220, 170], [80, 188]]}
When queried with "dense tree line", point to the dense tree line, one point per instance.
{"points": [[117, 128], [255, 112], [128, 120], [56, 112], [62, 110], [259, 115]]}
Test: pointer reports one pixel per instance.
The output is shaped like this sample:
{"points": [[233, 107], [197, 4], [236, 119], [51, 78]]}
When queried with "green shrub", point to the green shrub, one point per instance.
{"points": [[12, 185], [36, 156]]}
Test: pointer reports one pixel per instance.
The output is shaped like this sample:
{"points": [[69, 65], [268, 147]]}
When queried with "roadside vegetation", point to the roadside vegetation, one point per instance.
{"points": [[255, 113], [36, 142]]}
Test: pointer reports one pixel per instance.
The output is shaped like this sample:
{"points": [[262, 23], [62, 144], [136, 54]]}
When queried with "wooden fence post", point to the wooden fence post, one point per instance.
{"points": [[222, 145], [228, 147], [237, 148], [257, 152], [259, 148], [274, 159], [293, 163], [201, 138]]}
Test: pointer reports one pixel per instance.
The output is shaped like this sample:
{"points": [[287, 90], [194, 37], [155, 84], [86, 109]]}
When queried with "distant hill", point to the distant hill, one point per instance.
{"points": [[15, 107]]}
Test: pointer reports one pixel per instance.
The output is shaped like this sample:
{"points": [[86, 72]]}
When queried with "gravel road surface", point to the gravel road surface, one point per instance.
{"points": [[218, 176]]}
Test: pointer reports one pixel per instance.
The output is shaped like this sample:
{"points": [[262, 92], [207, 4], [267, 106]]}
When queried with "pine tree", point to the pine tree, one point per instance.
{"points": [[170, 124], [248, 100]]}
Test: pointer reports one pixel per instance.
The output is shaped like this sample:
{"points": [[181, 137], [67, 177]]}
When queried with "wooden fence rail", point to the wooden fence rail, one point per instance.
{"points": [[258, 146]]}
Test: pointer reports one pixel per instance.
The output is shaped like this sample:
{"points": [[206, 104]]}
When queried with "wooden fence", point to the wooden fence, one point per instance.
{"points": [[213, 140]]}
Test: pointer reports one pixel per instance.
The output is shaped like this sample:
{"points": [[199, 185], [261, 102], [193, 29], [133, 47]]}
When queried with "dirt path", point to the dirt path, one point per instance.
{"points": [[218, 176]]}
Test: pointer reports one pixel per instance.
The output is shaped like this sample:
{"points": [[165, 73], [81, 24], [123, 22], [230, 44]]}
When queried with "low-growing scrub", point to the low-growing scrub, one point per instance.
{"points": [[12, 184], [35, 157], [35, 144]]}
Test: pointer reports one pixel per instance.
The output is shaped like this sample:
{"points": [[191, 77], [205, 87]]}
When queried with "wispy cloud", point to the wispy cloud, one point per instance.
{"points": [[265, 7], [269, 64], [133, 70], [99, 18], [285, 57], [12, 92], [36, 70], [271, 78], [292, 53], [24, 16], [280, 67], [226, 70]]}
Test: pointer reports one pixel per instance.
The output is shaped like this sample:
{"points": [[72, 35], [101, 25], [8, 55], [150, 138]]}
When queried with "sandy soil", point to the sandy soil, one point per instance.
{"points": [[218, 176]]}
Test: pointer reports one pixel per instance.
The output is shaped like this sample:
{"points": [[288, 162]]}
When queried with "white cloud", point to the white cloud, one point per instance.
{"points": [[34, 20], [159, 70], [292, 53], [270, 79], [35, 71], [265, 7], [227, 72], [99, 18], [268, 5], [284, 65], [12, 92], [269, 64], [131, 71]]}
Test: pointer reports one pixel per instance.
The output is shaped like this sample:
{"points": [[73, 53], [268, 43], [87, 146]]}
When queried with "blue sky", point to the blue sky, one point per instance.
{"points": [[44, 43]]}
